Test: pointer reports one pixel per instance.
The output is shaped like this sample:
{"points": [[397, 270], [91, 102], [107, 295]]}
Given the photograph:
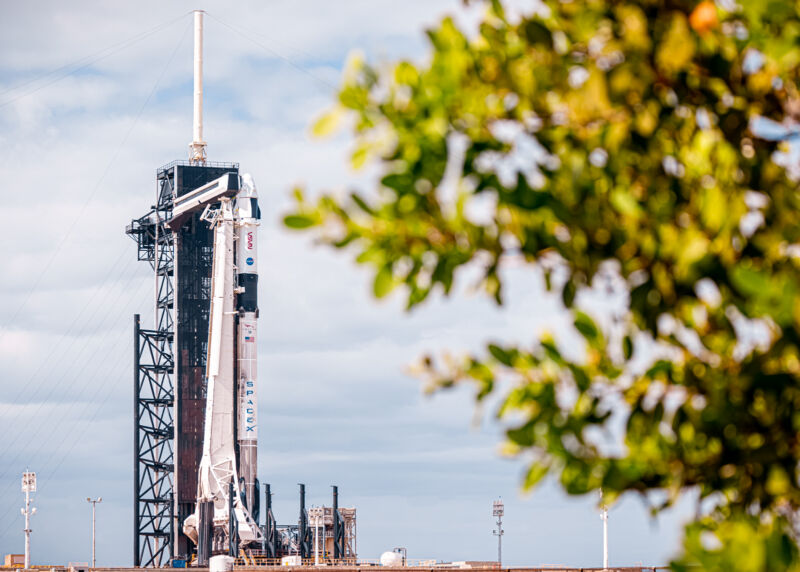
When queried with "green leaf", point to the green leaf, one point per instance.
{"points": [[627, 347], [384, 282], [328, 122], [537, 33], [677, 46], [361, 155], [581, 379], [778, 482], [299, 221], [400, 182], [625, 203], [362, 204], [536, 472], [405, 73], [568, 293], [350, 237], [501, 355], [658, 368], [586, 326]]}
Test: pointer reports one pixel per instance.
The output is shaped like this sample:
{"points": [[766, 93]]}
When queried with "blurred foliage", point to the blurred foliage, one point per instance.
{"points": [[595, 135]]}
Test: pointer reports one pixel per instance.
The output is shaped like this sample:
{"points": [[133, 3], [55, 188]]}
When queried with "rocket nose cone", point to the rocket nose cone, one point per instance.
{"points": [[249, 185]]}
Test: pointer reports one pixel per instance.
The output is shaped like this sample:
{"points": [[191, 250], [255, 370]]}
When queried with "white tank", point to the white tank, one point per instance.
{"points": [[391, 559], [221, 563]]}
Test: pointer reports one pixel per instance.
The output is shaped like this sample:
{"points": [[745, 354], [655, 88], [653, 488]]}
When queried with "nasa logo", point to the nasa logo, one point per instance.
{"points": [[249, 261], [249, 241]]}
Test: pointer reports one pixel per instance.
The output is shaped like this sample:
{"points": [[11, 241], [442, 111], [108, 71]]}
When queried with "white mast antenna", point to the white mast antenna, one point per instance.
{"points": [[197, 148]]}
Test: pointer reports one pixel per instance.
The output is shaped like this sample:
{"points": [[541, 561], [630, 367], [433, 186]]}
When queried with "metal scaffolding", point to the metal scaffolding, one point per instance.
{"points": [[168, 415], [154, 397]]}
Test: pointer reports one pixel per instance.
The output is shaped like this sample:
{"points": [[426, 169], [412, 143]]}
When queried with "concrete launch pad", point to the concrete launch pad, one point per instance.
{"points": [[368, 567]]}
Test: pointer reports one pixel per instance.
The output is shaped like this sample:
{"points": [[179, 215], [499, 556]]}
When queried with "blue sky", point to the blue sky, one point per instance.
{"points": [[80, 152]]}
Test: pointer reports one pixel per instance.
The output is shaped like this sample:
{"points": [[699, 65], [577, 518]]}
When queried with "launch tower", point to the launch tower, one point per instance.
{"points": [[170, 358], [195, 374], [170, 361]]}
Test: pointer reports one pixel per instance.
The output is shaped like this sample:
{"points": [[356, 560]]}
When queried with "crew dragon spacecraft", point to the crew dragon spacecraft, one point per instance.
{"points": [[227, 492]]}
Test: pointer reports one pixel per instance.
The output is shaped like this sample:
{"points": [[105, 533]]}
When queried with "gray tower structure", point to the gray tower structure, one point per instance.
{"points": [[169, 365]]}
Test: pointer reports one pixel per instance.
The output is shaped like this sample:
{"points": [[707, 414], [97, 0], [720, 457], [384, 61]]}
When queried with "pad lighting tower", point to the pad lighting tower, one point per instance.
{"points": [[604, 517], [28, 487], [94, 520], [498, 509]]}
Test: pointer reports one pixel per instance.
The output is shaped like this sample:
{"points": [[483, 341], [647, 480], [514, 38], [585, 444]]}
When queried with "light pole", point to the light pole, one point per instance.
{"points": [[94, 520], [498, 509], [28, 487], [604, 517]]}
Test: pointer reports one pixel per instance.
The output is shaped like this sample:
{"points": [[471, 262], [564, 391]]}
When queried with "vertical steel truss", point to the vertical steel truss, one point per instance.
{"points": [[154, 448], [350, 537], [269, 544], [154, 397]]}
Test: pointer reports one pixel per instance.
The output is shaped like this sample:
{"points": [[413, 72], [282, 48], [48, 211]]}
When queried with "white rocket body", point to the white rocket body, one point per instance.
{"points": [[231, 371], [247, 215]]}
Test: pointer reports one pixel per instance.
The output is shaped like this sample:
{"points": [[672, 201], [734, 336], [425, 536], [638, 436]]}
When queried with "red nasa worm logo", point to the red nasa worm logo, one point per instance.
{"points": [[249, 241]]}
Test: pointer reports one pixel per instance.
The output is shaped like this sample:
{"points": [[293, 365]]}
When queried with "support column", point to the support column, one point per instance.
{"points": [[232, 540], [337, 527], [136, 554]]}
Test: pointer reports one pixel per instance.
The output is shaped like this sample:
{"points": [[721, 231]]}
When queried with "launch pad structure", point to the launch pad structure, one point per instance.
{"points": [[195, 385], [170, 389], [170, 361]]}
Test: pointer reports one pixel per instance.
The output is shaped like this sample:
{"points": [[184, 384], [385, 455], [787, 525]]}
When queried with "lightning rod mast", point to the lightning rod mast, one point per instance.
{"points": [[197, 148]]}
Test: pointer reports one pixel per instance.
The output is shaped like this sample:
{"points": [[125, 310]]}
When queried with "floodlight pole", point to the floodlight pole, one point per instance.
{"points": [[94, 522], [498, 509], [604, 517], [28, 487], [27, 514]]}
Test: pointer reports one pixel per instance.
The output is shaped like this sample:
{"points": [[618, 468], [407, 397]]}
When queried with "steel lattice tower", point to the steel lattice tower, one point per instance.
{"points": [[169, 366]]}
